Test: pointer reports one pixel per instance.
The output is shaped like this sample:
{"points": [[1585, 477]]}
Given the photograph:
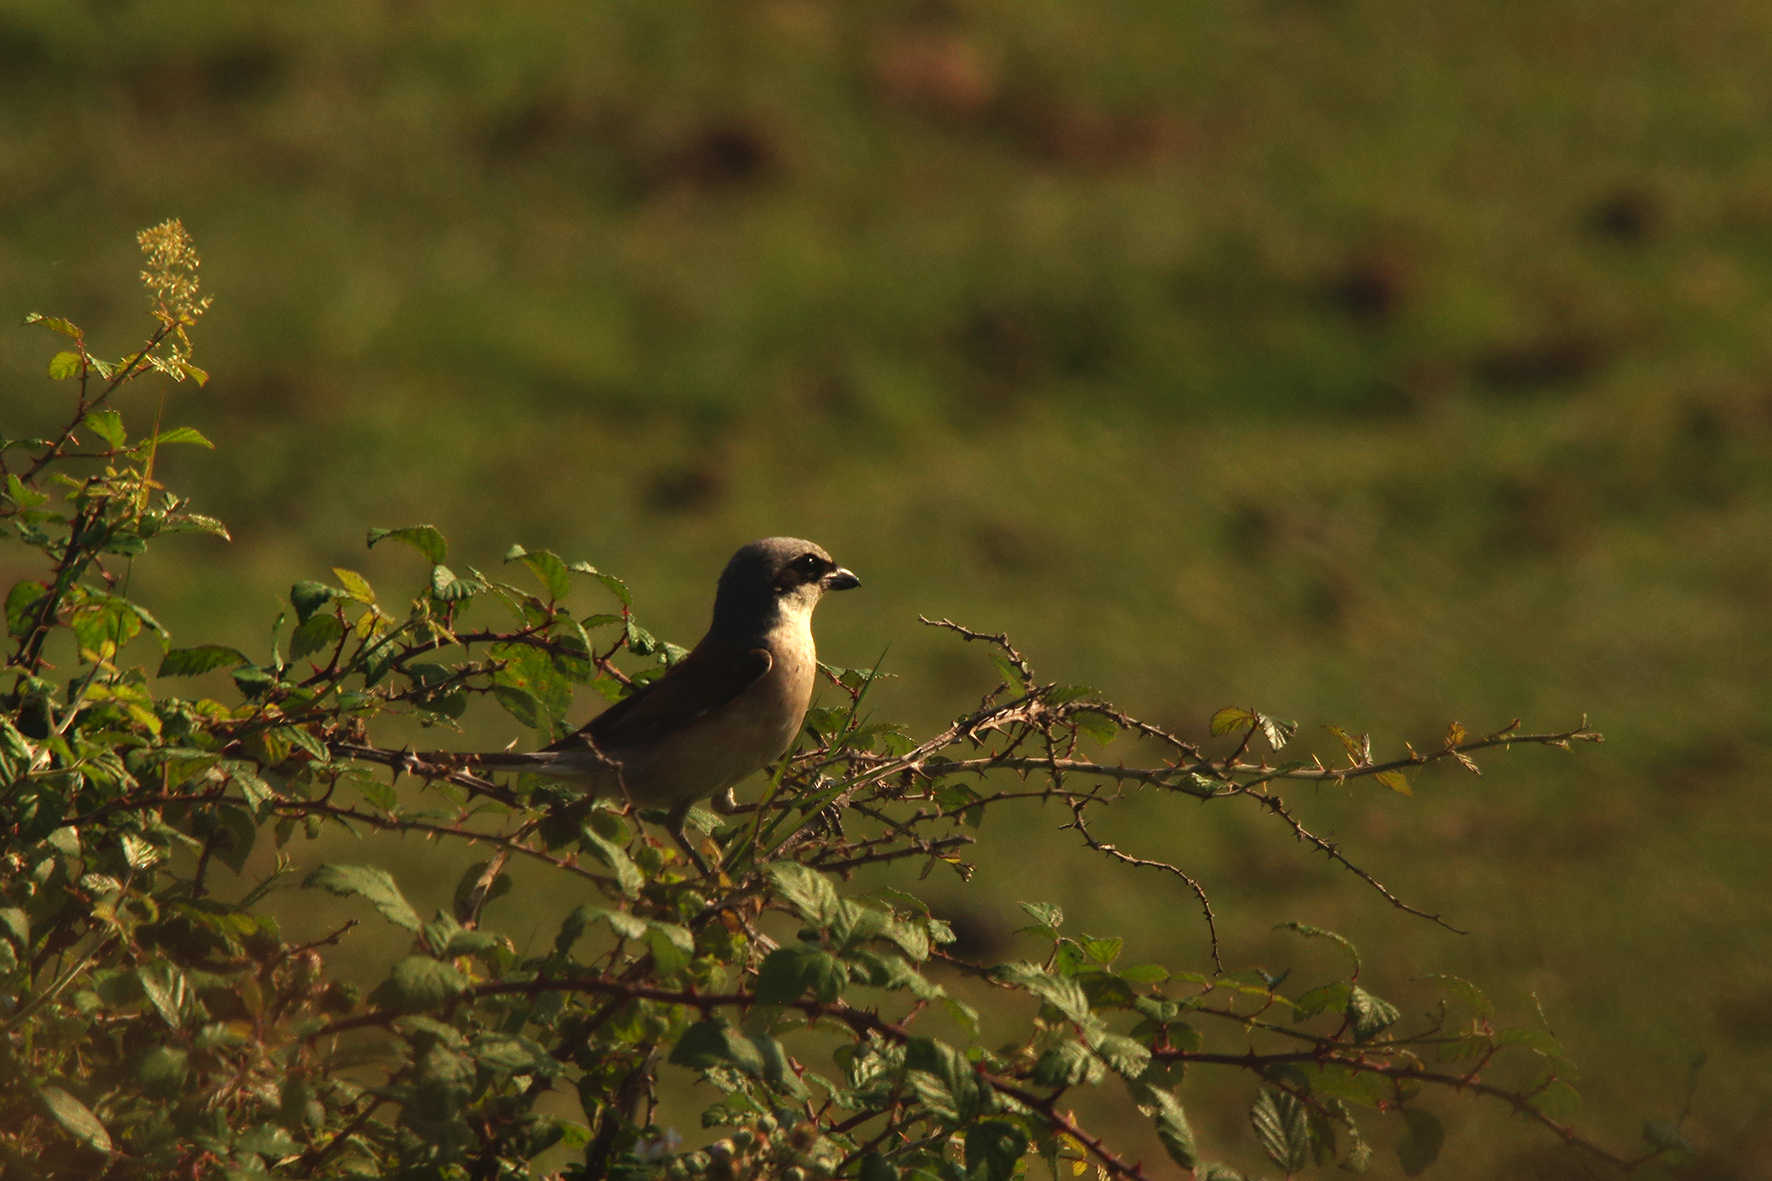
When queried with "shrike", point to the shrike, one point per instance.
{"points": [[725, 711]]}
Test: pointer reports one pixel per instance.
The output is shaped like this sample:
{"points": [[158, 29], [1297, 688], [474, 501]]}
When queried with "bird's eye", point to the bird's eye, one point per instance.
{"points": [[810, 563]]}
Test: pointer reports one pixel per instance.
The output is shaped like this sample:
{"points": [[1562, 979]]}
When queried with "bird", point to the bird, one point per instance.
{"points": [[728, 709]]}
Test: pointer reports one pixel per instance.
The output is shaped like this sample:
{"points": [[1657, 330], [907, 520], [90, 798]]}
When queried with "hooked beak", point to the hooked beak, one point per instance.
{"points": [[840, 579]]}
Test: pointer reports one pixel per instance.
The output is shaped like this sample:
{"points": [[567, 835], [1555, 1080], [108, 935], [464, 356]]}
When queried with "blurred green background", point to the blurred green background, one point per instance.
{"points": [[1356, 360]]}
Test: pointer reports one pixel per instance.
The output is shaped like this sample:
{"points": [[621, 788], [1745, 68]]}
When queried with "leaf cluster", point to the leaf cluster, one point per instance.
{"points": [[159, 1023]]}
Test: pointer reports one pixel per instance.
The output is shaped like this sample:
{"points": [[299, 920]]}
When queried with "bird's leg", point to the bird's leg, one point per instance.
{"points": [[679, 815], [726, 803]]}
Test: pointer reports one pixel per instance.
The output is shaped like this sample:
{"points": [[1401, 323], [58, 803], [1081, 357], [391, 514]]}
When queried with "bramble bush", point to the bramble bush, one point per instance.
{"points": [[158, 1024]]}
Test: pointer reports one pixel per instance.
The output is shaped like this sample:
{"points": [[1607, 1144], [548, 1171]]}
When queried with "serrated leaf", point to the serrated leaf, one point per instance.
{"points": [[1359, 750], [1230, 719], [547, 567], [1396, 781], [308, 597], [1044, 913], [790, 972], [424, 538], [627, 874], [189, 662], [672, 946], [418, 983], [1172, 1125], [511, 1054], [993, 1149], [1310, 932], [107, 425], [1068, 1064], [64, 365], [1283, 1127], [1557, 1099], [355, 584], [1063, 994], [1465, 993], [450, 588], [1370, 1015], [268, 1140], [184, 434], [1098, 728], [317, 634], [366, 881], [21, 605], [1007, 670], [809, 892], [55, 324], [76, 1118], [1277, 733], [1322, 999]]}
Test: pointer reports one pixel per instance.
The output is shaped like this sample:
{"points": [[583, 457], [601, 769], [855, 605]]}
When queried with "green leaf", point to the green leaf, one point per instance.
{"points": [[184, 434], [1068, 1064], [55, 324], [1310, 932], [449, 588], [366, 881], [704, 1044], [993, 1149], [76, 1118], [268, 1140], [189, 662], [308, 597], [1145, 974], [1283, 1126], [627, 874], [1557, 1099], [546, 566], [945, 1081], [63, 366], [1421, 1143], [161, 1071], [1322, 999], [1172, 1126], [510, 1054], [1099, 729], [809, 892], [1277, 733], [423, 538], [1230, 718], [1396, 781], [316, 635], [790, 972], [1465, 993], [355, 584], [1370, 1015], [1007, 670], [616, 586], [21, 606], [1066, 996], [107, 425], [418, 983], [672, 946], [16, 926]]}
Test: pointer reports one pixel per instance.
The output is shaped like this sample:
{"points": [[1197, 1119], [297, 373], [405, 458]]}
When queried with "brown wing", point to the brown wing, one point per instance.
{"points": [[705, 680]]}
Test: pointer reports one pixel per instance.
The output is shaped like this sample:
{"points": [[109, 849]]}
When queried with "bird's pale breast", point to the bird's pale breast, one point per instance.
{"points": [[715, 752]]}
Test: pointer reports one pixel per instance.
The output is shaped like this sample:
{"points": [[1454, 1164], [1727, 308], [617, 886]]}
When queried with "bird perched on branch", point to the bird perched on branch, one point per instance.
{"points": [[725, 711]]}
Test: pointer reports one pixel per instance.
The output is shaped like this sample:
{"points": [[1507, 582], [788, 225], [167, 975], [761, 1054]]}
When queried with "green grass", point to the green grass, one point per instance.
{"points": [[1364, 364]]}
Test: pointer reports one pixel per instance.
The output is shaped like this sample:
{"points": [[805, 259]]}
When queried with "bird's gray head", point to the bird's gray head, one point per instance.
{"points": [[773, 579]]}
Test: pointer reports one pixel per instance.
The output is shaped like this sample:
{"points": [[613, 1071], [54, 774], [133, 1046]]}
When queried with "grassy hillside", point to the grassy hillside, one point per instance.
{"points": [[1367, 364]]}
